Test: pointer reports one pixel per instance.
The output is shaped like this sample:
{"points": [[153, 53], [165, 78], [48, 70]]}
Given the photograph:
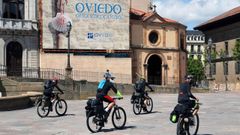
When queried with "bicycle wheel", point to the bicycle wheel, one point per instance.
{"points": [[137, 106], [182, 127], [42, 110], [194, 124], [149, 104], [94, 122], [61, 107], [119, 118], [37, 100]]}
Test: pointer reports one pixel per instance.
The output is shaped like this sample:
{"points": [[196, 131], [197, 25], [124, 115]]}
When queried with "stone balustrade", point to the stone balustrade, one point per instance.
{"points": [[17, 24]]}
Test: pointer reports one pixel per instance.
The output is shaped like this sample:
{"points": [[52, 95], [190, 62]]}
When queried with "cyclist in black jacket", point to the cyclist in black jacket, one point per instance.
{"points": [[48, 90], [104, 87], [139, 87], [185, 95]]}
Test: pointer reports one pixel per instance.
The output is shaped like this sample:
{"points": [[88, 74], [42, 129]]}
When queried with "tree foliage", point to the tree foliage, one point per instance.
{"points": [[236, 50], [195, 68]]}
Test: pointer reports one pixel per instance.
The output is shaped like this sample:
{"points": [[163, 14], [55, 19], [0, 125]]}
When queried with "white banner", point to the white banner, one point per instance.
{"points": [[97, 24]]}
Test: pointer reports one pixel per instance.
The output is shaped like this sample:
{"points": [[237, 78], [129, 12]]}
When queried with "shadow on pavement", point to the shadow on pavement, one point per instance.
{"points": [[61, 116], [113, 129], [149, 113]]}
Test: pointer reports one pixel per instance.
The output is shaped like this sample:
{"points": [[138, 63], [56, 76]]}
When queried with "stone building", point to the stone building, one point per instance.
{"points": [[126, 36], [224, 32], [99, 38], [18, 37], [158, 48], [195, 44]]}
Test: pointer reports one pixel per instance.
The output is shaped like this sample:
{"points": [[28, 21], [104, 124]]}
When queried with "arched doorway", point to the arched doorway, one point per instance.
{"points": [[154, 70], [14, 59]]}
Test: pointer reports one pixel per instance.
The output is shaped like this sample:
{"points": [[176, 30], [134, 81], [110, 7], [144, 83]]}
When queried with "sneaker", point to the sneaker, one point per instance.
{"points": [[132, 101], [145, 109], [51, 109], [106, 114], [101, 123]]}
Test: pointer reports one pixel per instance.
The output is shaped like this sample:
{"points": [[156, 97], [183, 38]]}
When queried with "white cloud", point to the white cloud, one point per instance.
{"points": [[193, 12]]}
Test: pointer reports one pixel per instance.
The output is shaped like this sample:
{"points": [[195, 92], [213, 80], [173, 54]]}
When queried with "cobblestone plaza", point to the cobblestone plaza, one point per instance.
{"points": [[217, 117]]}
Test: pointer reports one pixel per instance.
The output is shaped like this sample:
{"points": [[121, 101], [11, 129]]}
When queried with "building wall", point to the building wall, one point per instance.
{"points": [[22, 31], [141, 4], [30, 55], [228, 33], [92, 64], [92, 29], [196, 40], [137, 34], [90, 68], [1, 8]]}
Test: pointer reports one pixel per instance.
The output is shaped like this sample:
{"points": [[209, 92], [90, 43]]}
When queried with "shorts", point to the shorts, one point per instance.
{"points": [[105, 98]]}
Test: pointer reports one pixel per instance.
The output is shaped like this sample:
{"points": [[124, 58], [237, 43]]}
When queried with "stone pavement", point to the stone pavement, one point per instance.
{"points": [[219, 115]]}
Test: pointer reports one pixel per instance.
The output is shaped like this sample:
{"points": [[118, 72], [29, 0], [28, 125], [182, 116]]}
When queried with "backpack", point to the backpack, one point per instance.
{"points": [[100, 85], [94, 106], [48, 86], [140, 86], [178, 109]]}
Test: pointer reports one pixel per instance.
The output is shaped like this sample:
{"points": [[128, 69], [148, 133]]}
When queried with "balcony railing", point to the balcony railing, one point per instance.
{"points": [[17, 24]]}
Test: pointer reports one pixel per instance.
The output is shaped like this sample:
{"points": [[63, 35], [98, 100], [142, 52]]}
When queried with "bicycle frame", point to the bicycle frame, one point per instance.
{"points": [[55, 98], [184, 120]]}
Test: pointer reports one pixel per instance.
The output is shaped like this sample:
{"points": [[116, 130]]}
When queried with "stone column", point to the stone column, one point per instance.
{"points": [[1, 12]]}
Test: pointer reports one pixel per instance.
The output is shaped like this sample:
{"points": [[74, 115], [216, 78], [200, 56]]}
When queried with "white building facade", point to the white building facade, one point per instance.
{"points": [[195, 44]]}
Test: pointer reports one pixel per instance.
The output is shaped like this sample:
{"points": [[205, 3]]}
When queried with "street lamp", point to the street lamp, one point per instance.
{"points": [[209, 52], [68, 68], [223, 57]]}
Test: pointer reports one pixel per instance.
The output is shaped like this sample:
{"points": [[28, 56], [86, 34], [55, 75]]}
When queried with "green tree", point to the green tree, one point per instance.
{"points": [[236, 50], [195, 68]]}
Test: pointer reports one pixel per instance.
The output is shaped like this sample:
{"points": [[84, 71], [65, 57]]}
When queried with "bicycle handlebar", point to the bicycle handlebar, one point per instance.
{"points": [[57, 93], [119, 98]]}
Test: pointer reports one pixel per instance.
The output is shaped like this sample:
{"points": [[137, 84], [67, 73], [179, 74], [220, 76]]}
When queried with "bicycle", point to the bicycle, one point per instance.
{"points": [[188, 123], [44, 107], [138, 102], [95, 118]]}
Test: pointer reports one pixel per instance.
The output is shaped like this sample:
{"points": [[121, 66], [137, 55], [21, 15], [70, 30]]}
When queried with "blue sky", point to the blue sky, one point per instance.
{"points": [[193, 12]]}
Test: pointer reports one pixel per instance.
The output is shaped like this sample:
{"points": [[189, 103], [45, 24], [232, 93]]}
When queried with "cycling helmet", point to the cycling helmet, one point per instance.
{"points": [[107, 75], [55, 80], [188, 77]]}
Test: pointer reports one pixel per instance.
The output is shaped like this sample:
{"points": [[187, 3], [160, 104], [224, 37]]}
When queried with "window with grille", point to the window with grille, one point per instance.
{"points": [[237, 67], [226, 48], [13, 9]]}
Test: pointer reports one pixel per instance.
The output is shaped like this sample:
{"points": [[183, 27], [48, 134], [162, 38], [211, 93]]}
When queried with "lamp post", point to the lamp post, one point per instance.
{"points": [[68, 68], [223, 57], [209, 52]]}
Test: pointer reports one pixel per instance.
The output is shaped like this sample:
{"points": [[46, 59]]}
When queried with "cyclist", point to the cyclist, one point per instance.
{"points": [[140, 88], [102, 93], [48, 90], [185, 96]]}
